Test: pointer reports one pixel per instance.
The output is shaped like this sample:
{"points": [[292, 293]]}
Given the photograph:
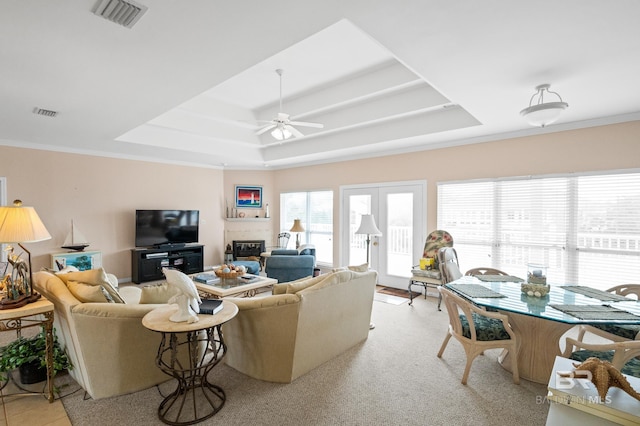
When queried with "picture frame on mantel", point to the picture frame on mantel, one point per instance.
{"points": [[248, 197]]}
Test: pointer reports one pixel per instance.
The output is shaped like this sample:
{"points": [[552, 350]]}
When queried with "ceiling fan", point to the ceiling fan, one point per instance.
{"points": [[282, 125]]}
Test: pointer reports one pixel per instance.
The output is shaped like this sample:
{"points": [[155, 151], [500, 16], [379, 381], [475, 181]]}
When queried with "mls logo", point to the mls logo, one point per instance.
{"points": [[568, 379]]}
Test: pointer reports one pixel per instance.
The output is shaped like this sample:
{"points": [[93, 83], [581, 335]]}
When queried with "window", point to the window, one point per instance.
{"points": [[585, 228], [315, 211]]}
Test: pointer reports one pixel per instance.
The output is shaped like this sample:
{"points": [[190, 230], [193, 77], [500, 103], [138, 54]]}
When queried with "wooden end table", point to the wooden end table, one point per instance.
{"points": [[195, 398]]}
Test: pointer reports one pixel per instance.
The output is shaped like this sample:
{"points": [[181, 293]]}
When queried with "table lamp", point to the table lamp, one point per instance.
{"points": [[297, 228], [19, 224], [368, 227]]}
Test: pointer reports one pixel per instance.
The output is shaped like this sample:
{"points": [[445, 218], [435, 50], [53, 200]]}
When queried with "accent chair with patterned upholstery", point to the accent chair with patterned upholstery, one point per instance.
{"points": [[478, 330]]}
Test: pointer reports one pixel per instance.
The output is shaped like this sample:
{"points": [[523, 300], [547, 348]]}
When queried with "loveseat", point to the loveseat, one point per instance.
{"points": [[305, 323], [111, 351], [287, 265]]}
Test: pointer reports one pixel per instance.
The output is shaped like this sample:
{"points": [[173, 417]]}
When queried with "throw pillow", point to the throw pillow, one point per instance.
{"points": [[281, 288], [360, 268], [87, 293], [357, 268], [160, 293], [94, 277], [296, 286]]}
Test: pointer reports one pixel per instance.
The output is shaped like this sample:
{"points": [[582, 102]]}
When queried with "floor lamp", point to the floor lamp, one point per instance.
{"points": [[369, 228]]}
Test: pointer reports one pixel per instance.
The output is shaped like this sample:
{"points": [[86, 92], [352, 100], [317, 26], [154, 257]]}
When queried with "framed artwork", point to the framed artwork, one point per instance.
{"points": [[83, 260], [249, 197]]}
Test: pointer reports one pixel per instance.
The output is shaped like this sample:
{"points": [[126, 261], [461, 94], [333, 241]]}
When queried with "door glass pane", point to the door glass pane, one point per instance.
{"points": [[358, 205], [399, 234]]}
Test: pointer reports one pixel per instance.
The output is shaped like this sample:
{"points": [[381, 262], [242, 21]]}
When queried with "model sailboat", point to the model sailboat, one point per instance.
{"points": [[75, 240]]}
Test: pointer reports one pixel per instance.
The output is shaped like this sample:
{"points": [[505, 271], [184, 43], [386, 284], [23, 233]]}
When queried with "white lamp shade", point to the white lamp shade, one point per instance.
{"points": [[368, 226], [20, 224]]}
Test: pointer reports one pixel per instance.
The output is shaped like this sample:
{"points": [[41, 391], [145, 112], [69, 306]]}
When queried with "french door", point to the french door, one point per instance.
{"points": [[399, 212]]}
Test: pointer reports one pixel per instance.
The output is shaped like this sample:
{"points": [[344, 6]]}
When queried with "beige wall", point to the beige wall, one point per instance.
{"points": [[101, 194], [599, 148]]}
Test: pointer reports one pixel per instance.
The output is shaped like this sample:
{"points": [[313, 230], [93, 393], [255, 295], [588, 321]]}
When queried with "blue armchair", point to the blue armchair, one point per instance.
{"points": [[289, 265]]}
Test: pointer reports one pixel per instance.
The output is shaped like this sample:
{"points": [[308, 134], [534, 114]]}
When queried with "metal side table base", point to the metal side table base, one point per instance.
{"points": [[424, 282]]}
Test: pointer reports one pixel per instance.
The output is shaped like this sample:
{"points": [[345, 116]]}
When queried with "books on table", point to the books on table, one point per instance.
{"points": [[206, 278], [210, 306]]}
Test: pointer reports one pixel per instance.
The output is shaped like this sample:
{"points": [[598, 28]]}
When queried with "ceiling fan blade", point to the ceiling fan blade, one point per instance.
{"points": [[306, 124], [295, 132], [265, 129]]}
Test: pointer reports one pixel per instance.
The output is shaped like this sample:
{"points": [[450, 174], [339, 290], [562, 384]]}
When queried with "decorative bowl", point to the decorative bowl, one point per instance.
{"points": [[230, 271]]}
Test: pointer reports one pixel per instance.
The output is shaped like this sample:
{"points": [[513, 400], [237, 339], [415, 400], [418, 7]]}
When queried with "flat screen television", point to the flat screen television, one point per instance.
{"points": [[166, 227]]}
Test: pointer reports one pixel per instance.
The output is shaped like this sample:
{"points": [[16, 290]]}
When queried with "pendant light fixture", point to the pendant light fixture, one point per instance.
{"points": [[541, 113]]}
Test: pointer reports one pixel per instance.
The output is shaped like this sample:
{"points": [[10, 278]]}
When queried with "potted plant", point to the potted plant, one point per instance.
{"points": [[28, 354]]}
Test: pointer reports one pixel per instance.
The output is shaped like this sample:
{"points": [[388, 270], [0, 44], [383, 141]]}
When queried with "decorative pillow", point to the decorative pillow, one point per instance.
{"points": [[296, 286], [94, 277], [360, 268], [357, 268], [160, 293], [281, 288], [333, 279], [88, 293]]}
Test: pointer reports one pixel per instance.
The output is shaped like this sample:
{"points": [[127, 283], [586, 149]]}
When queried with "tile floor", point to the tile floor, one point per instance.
{"points": [[33, 410]]}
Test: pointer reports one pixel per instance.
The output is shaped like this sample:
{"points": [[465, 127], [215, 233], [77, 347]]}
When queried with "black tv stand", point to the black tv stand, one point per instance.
{"points": [[168, 246], [147, 263]]}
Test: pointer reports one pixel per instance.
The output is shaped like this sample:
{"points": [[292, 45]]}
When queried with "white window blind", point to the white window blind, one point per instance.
{"points": [[585, 228], [315, 211]]}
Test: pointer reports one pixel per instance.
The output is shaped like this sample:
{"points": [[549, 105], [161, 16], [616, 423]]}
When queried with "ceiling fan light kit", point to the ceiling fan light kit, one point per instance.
{"points": [[282, 125], [281, 133], [541, 113]]}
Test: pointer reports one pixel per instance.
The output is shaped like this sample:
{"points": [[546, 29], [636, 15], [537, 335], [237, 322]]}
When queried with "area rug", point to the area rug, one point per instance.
{"points": [[397, 292], [388, 298]]}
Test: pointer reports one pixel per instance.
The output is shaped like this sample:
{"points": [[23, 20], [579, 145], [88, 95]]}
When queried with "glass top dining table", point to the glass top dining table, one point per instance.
{"points": [[539, 325], [516, 301]]}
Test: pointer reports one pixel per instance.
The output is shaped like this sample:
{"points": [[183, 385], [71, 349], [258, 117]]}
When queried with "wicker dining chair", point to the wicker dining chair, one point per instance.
{"points": [[478, 330], [448, 264], [615, 332], [623, 355], [485, 271]]}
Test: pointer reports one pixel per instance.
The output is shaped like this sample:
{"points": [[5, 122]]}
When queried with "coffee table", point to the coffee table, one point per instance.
{"points": [[231, 287]]}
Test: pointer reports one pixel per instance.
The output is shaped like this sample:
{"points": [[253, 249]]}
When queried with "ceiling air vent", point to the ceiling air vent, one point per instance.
{"points": [[45, 112], [125, 13]]}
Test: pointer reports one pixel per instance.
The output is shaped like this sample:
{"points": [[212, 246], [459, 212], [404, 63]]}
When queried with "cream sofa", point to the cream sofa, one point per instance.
{"points": [[305, 323], [111, 352]]}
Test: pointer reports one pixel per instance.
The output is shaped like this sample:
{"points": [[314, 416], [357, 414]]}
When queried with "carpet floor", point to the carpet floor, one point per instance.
{"points": [[392, 378]]}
